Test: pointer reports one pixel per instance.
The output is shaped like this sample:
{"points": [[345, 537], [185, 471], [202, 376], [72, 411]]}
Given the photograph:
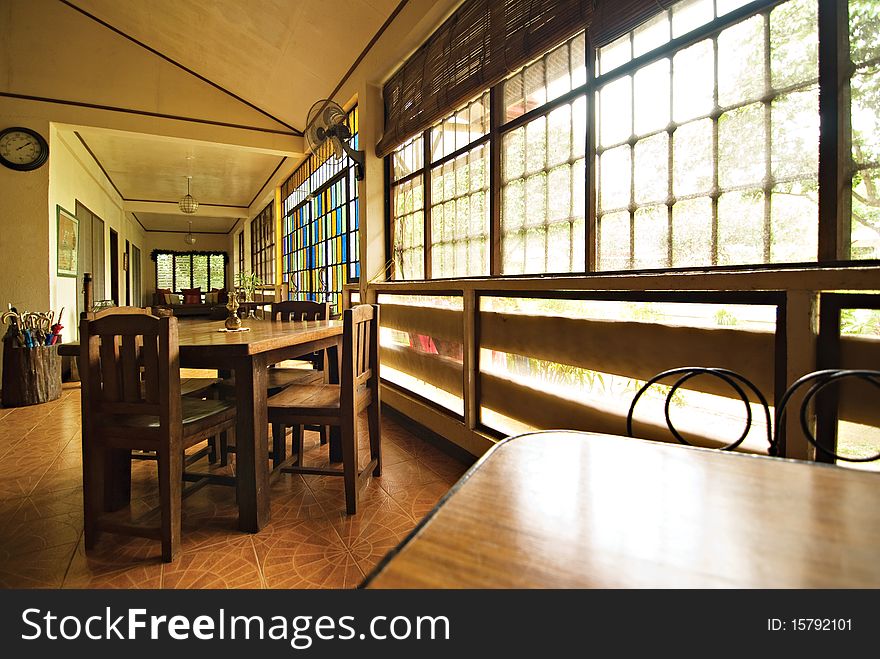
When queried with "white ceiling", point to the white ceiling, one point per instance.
{"points": [[278, 55]]}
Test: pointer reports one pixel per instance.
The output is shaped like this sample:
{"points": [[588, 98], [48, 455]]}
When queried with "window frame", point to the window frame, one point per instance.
{"points": [[157, 254], [834, 179], [263, 245]]}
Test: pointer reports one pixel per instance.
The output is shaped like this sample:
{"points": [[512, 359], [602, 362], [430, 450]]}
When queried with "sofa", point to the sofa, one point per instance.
{"points": [[190, 302]]}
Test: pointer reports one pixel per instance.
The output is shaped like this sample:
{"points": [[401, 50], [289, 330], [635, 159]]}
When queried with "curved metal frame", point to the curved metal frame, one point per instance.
{"points": [[728, 376], [823, 379]]}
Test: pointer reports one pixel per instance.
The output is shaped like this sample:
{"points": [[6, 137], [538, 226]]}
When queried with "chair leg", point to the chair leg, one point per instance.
{"points": [[170, 499], [213, 449], [93, 490], [375, 431], [279, 444], [224, 448], [297, 444], [349, 463]]}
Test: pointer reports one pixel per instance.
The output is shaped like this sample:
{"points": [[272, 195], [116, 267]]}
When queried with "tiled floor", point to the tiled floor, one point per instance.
{"points": [[309, 543]]}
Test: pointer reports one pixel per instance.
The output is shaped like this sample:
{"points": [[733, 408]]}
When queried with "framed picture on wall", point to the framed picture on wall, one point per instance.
{"points": [[68, 236]]}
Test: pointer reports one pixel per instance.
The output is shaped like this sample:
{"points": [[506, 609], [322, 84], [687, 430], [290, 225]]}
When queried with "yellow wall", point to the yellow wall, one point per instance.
{"points": [[74, 176]]}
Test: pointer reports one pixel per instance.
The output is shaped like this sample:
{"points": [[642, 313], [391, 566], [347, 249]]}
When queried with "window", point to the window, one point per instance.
{"points": [[542, 165], [321, 244], [458, 182], [263, 244], [240, 252], [179, 270], [864, 47], [695, 138], [707, 154]]}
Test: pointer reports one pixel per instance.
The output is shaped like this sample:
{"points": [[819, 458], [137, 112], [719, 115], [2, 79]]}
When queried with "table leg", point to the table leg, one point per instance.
{"points": [[252, 443]]}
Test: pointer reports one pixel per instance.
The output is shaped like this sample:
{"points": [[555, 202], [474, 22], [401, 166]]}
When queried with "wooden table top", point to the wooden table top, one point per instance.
{"points": [[563, 509], [198, 336], [263, 335]]}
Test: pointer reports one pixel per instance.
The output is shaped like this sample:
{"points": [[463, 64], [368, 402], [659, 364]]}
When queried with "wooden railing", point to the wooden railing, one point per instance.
{"points": [[629, 349]]}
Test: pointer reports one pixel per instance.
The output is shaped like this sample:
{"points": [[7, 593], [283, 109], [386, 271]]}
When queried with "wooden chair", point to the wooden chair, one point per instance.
{"points": [[281, 378], [826, 435], [339, 405], [131, 401], [302, 310], [737, 382]]}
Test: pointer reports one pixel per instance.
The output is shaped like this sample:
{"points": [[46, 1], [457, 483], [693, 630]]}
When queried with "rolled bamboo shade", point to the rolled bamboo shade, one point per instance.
{"points": [[483, 42], [613, 18], [480, 44]]}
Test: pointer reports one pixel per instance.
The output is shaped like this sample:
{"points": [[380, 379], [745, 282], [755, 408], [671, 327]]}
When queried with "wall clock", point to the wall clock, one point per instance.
{"points": [[22, 149]]}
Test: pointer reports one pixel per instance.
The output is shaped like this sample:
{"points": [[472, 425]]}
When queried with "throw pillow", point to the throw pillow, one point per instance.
{"points": [[211, 298], [172, 298], [222, 295], [192, 295]]}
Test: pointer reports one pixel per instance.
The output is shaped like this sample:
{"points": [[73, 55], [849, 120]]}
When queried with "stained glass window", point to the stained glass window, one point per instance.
{"points": [[321, 243]]}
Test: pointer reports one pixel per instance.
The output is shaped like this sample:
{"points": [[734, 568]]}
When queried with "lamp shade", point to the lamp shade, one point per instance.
{"points": [[187, 203], [189, 238]]}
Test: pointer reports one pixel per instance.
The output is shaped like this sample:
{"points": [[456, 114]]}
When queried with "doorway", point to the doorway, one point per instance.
{"points": [[90, 254], [114, 266]]}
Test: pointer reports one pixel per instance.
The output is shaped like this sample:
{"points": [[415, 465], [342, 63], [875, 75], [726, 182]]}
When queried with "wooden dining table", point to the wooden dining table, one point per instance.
{"points": [[249, 353], [565, 509]]}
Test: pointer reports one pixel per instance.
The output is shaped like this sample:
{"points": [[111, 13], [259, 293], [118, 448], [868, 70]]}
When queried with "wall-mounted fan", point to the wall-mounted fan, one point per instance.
{"points": [[326, 122]]}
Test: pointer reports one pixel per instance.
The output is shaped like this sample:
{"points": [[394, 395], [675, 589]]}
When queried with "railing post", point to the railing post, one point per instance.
{"points": [[470, 361], [801, 332]]}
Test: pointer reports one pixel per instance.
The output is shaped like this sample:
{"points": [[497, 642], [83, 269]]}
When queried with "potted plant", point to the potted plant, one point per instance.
{"points": [[248, 282]]}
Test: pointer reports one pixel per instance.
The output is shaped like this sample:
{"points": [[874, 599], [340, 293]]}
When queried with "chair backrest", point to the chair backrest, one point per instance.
{"points": [[296, 310], [817, 381], [740, 384], [360, 350], [130, 364]]}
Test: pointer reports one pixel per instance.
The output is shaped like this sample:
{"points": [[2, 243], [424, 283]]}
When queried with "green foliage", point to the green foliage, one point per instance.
{"points": [[864, 322], [248, 282], [724, 318]]}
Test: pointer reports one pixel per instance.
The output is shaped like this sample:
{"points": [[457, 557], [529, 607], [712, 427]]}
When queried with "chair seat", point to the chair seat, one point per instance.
{"points": [[279, 378], [309, 397], [194, 410], [192, 386]]}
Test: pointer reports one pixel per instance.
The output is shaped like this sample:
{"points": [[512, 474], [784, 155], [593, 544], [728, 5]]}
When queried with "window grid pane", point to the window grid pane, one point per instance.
{"points": [[864, 26], [460, 215], [737, 162], [408, 228]]}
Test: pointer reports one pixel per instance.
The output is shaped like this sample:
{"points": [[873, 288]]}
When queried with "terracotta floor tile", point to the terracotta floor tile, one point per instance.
{"points": [[8, 508], [14, 487], [406, 474], [375, 530], [231, 564], [42, 504], [419, 500], [310, 541], [305, 555], [22, 536], [101, 568], [43, 568], [57, 478]]}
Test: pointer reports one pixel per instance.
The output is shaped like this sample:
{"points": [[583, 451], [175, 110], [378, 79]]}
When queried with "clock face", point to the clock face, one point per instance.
{"points": [[22, 149]]}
